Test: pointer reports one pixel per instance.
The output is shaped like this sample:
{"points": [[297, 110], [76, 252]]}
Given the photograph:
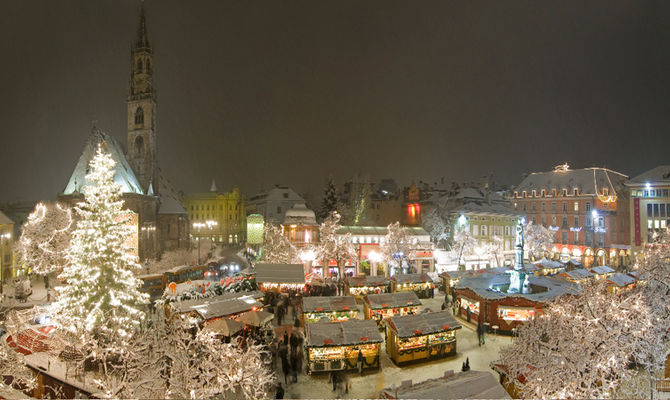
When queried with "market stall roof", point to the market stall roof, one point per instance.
{"points": [[621, 280], [485, 286], [602, 270], [366, 280], [256, 317], [328, 303], [189, 305], [462, 385], [455, 274], [280, 273], [392, 300], [426, 323], [224, 326], [351, 332], [549, 264], [577, 274], [410, 278]]}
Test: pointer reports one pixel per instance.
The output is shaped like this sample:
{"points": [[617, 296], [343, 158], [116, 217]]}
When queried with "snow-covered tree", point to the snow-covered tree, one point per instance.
{"points": [[495, 248], [330, 201], [101, 293], [463, 244], [586, 346], [199, 365], [332, 246], [277, 249], [45, 239], [395, 246], [538, 240], [436, 225]]}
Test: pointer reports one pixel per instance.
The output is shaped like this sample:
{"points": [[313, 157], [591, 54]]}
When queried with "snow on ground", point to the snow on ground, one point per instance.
{"points": [[370, 384], [39, 295]]}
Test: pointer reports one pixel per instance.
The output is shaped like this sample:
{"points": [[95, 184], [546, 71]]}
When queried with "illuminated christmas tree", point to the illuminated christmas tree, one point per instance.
{"points": [[101, 294]]}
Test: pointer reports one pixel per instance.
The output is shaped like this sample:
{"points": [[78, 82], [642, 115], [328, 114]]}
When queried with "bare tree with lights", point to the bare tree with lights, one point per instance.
{"points": [[277, 249], [463, 243], [101, 293], [436, 225], [587, 346], [333, 246], [395, 246], [538, 240], [45, 239]]}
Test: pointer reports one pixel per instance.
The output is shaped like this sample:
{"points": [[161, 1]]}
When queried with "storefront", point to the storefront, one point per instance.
{"points": [[378, 307], [450, 279], [360, 286], [333, 308], [421, 337], [334, 346], [420, 284]]}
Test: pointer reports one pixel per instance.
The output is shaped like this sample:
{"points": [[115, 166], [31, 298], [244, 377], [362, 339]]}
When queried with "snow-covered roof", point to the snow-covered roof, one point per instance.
{"points": [[279, 273], [379, 230], [278, 193], [169, 198], [300, 214], [462, 385], [328, 303], [219, 306], [578, 274], [351, 332], [485, 208], [5, 220], [483, 285], [427, 323], [367, 280], [392, 300], [589, 181], [123, 176], [621, 280], [410, 278], [602, 270], [549, 264], [660, 174]]}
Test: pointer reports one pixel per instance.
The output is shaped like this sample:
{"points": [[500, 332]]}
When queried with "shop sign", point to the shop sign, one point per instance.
{"points": [[573, 229]]}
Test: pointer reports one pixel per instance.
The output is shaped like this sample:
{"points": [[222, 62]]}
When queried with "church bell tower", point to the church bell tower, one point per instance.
{"points": [[141, 153]]}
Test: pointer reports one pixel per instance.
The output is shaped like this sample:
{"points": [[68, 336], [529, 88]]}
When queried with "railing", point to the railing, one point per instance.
{"points": [[663, 385]]}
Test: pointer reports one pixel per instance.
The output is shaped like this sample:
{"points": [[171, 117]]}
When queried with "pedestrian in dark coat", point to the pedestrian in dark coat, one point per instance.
{"points": [[295, 366], [285, 368], [480, 333], [280, 392]]}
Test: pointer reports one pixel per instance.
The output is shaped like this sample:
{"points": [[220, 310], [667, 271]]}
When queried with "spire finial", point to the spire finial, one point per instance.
{"points": [[142, 40], [213, 187]]}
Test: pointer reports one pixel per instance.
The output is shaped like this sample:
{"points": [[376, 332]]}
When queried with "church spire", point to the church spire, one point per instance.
{"points": [[142, 41]]}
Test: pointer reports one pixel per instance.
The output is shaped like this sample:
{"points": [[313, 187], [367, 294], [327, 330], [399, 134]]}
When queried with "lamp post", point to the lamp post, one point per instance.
{"points": [[4, 239]]}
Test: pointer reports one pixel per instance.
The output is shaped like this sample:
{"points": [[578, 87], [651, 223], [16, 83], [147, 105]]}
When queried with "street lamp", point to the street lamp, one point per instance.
{"points": [[4, 239]]}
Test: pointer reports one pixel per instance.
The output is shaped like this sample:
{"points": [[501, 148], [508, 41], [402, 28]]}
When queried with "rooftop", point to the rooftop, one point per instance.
{"points": [[588, 181], [660, 174], [392, 300], [328, 303], [351, 332], [408, 325]]}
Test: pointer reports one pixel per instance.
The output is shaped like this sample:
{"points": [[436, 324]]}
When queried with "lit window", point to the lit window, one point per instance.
{"points": [[588, 206], [576, 206]]}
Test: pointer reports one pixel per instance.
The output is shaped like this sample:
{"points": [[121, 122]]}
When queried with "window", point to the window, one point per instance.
{"points": [[564, 224], [588, 222], [139, 116], [588, 206], [533, 207], [576, 237], [543, 207], [601, 222], [655, 210], [484, 230], [278, 210], [475, 230], [543, 221], [576, 206], [564, 237], [662, 210], [576, 225], [139, 145], [565, 206], [507, 231], [286, 195], [553, 206], [665, 192], [588, 238], [650, 207], [553, 220], [524, 207], [148, 66], [139, 65]]}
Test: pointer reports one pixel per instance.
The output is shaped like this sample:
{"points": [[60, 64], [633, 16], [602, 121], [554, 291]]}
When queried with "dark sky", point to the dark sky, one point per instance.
{"points": [[261, 92]]}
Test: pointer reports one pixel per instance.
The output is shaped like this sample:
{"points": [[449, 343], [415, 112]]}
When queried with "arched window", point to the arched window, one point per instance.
{"points": [[139, 65], [139, 145], [139, 116]]}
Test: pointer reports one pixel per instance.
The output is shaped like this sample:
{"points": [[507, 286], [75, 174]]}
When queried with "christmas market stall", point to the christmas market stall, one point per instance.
{"points": [[451, 278], [381, 306], [500, 305], [333, 308], [420, 284], [334, 346], [461, 385], [210, 308], [280, 277], [424, 336], [359, 286]]}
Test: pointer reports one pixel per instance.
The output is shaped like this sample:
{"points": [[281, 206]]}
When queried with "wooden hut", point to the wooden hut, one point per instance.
{"points": [[334, 308], [421, 337], [381, 306], [360, 286], [420, 284]]}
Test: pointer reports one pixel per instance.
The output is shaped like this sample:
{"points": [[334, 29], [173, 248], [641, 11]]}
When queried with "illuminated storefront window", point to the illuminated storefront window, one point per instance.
{"points": [[516, 313]]}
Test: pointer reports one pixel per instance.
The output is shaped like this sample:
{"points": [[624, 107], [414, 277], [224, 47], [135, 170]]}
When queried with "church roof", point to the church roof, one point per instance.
{"points": [[124, 176], [5, 220], [142, 41], [170, 203]]}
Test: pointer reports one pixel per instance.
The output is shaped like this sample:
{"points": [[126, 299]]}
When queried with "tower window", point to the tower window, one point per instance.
{"points": [[148, 66], [139, 145], [139, 65], [139, 116]]}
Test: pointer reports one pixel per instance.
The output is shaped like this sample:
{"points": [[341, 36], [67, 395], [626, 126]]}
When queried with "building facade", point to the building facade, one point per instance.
{"points": [[162, 222], [587, 209], [649, 205], [300, 226], [227, 210], [6, 248], [273, 204]]}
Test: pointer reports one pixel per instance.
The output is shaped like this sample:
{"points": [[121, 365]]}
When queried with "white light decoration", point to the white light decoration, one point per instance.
{"points": [[101, 293]]}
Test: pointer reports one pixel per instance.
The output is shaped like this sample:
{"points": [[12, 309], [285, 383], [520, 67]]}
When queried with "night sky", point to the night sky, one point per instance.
{"points": [[254, 93]]}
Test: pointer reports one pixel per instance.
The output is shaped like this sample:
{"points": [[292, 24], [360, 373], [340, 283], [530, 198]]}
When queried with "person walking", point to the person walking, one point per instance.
{"points": [[294, 366], [279, 394], [286, 368], [479, 333], [359, 361], [468, 313]]}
